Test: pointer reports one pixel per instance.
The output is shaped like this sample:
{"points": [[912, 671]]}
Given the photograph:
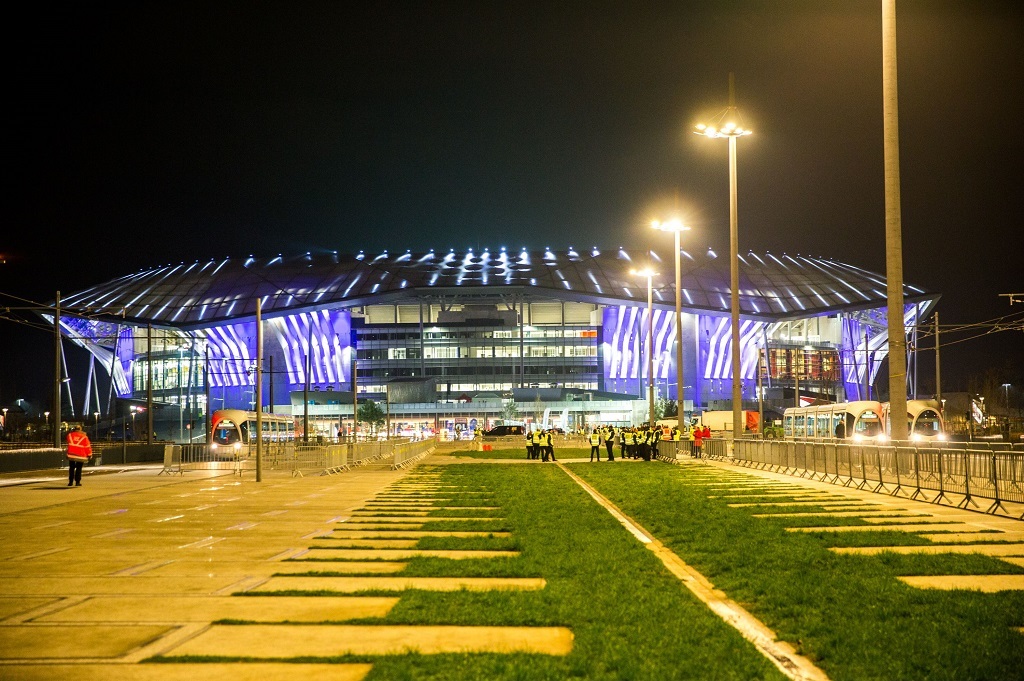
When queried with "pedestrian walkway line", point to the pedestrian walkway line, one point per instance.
{"points": [[984, 583], [780, 653]]}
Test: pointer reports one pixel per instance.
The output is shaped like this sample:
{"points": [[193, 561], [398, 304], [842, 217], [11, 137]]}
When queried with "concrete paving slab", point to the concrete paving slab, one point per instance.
{"points": [[59, 568], [886, 516], [354, 584], [823, 504], [15, 605], [354, 543], [253, 671], [319, 553], [983, 549], [327, 640], [102, 585], [433, 519], [918, 528], [365, 534], [176, 609], [403, 512], [1015, 560], [960, 537], [51, 641], [985, 583]]}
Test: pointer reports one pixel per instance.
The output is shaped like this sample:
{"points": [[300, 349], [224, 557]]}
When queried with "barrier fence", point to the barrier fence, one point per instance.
{"points": [[299, 459], [965, 469]]}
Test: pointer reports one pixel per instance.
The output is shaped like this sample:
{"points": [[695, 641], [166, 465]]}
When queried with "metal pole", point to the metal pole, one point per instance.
{"points": [[734, 284], [938, 364], [305, 385], [760, 397], [680, 391], [149, 387], [867, 367], [650, 348], [259, 391], [56, 374], [893, 227], [796, 377]]}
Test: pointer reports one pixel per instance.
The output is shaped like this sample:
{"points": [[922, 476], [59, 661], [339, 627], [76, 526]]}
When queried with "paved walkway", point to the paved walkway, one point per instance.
{"points": [[133, 564]]}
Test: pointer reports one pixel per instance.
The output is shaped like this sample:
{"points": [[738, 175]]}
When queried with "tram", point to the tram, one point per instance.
{"points": [[235, 429], [862, 421], [924, 420]]}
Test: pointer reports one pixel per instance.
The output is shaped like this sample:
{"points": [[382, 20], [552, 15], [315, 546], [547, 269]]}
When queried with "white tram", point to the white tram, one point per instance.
{"points": [[236, 429], [862, 421]]}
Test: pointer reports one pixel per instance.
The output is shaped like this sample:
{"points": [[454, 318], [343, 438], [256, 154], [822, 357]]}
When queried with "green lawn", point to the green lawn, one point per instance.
{"points": [[847, 613], [631, 619]]}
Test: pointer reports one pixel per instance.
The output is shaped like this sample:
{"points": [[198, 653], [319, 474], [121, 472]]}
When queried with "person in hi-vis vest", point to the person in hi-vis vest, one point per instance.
{"points": [[79, 451]]}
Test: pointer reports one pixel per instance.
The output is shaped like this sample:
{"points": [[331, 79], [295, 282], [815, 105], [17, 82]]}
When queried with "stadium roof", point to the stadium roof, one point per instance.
{"points": [[772, 288]]}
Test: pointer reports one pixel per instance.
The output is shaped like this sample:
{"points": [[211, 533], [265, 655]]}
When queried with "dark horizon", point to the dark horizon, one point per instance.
{"points": [[150, 135]]}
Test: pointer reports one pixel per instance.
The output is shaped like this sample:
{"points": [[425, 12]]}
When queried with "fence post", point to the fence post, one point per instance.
{"points": [[942, 489], [863, 471], [899, 483], [997, 504], [849, 465], [878, 459], [917, 476], [967, 483]]}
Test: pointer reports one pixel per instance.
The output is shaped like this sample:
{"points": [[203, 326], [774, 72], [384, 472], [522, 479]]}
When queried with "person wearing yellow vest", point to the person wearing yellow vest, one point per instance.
{"points": [[537, 439], [609, 441], [595, 445], [79, 451], [547, 446]]}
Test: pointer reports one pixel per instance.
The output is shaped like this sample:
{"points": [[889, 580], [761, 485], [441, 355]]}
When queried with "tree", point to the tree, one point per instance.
{"points": [[371, 413], [510, 412]]}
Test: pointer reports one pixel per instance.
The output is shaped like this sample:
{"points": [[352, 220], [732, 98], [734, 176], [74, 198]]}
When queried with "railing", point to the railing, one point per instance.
{"points": [[408, 453], [897, 468]]}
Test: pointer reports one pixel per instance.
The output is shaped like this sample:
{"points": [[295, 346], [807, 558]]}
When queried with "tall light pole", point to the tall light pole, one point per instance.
{"points": [[676, 226], [893, 226], [1006, 398], [650, 274], [727, 125]]}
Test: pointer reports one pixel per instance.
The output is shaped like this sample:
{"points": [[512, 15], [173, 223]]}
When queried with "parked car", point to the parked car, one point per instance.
{"points": [[504, 431]]}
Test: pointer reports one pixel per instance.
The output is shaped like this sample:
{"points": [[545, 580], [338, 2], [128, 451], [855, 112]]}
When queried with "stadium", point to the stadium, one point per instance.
{"points": [[446, 340]]}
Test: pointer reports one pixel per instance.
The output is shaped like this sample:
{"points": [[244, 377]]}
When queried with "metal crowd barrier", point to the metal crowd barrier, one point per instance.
{"points": [[897, 468]]}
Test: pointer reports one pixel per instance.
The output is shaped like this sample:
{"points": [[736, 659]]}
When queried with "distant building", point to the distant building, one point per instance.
{"points": [[441, 328]]}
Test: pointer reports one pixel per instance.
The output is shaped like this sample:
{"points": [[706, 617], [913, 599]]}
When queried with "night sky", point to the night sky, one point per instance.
{"points": [[169, 132]]}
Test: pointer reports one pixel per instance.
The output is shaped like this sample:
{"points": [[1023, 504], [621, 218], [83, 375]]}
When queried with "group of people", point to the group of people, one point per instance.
{"points": [[634, 442], [540, 444]]}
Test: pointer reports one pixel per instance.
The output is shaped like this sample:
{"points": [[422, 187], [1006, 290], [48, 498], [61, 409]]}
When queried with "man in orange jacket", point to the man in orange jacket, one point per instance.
{"points": [[79, 451]]}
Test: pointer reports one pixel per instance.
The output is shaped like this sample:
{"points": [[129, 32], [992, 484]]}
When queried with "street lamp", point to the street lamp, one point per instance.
{"points": [[676, 226], [46, 415], [650, 274], [96, 425], [133, 410], [1006, 398], [727, 125]]}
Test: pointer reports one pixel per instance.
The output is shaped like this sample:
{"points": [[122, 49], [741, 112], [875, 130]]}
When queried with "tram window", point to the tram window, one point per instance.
{"points": [[868, 424], [809, 426], [928, 423], [787, 426], [823, 425], [798, 426], [837, 418], [226, 433]]}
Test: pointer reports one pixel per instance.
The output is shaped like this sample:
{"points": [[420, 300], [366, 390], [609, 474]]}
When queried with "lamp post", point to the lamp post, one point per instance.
{"points": [[650, 274], [46, 415], [96, 425], [5, 422], [133, 410], [676, 226], [727, 125], [1006, 398]]}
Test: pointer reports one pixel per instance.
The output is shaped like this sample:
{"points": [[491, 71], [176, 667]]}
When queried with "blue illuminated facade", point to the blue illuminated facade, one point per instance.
{"points": [[482, 322]]}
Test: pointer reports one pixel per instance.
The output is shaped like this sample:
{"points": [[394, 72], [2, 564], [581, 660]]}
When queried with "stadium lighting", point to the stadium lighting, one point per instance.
{"points": [[676, 227], [726, 126], [650, 274]]}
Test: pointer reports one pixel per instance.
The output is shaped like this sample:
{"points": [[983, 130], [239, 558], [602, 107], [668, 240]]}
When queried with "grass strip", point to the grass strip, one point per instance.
{"points": [[848, 613]]}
